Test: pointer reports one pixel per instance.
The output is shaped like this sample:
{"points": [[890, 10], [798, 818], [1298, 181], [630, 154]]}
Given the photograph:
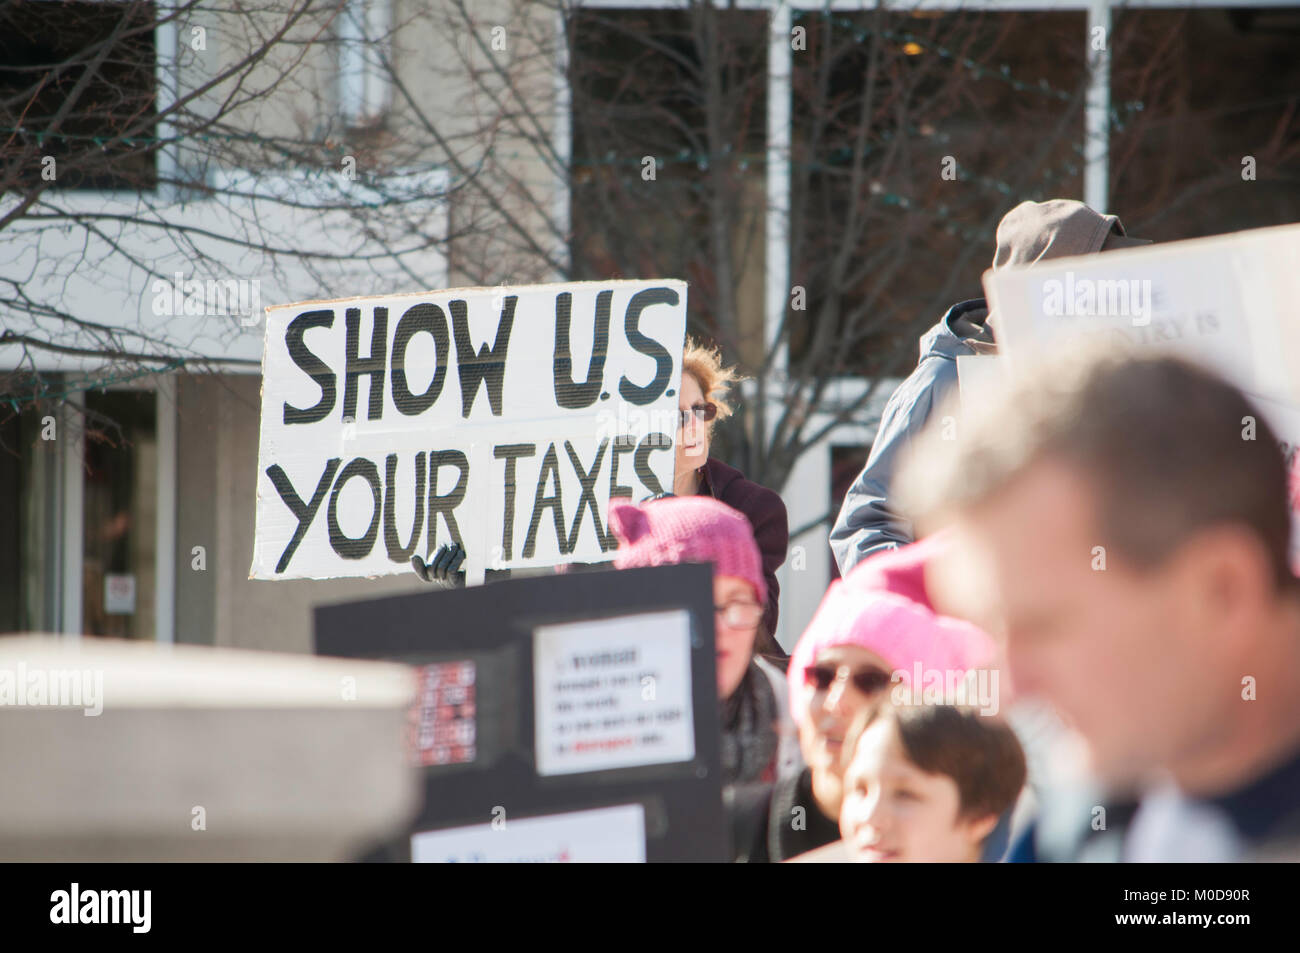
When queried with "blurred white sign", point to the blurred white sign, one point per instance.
{"points": [[607, 835], [1228, 301], [978, 377]]}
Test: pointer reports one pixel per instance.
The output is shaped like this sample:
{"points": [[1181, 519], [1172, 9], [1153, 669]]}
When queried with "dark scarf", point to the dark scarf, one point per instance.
{"points": [[749, 730]]}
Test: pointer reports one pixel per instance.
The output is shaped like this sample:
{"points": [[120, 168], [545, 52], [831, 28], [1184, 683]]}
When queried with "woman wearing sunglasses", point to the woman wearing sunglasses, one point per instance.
{"points": [[701, 403], [846, 661], [758, 737]]}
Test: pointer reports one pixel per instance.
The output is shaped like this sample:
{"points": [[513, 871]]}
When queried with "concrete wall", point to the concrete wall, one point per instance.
{"points": [[216, 487]]}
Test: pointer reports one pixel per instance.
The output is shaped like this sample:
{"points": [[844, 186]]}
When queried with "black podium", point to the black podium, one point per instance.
{"points": [[557, 715]]}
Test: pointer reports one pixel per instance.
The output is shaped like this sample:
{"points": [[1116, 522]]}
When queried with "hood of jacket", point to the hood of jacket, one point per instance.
{"points": [[1031, 232], [1058, 228]]}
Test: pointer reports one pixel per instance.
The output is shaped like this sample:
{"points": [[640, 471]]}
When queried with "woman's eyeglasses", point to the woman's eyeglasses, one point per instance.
{"points": [[740, 615], [866, 680], [703, 412]]}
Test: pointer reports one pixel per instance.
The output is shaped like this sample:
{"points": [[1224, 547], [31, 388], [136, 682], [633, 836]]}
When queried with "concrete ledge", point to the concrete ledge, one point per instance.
{"points": [[201, 754]]}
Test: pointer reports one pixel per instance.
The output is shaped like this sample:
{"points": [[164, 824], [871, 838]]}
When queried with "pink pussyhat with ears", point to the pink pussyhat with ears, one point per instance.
{"points": [[688, 529], [901, 631], [900, 570]]}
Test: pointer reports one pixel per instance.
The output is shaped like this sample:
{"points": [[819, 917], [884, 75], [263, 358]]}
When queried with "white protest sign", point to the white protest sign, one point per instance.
{"points": [[1228, 301], [504, 419], [613, 693], [607, 835]]}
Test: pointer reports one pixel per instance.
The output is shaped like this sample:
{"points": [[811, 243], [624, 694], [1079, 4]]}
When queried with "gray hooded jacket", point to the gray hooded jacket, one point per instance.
{"points": [[1030, 232], [866, 523]]}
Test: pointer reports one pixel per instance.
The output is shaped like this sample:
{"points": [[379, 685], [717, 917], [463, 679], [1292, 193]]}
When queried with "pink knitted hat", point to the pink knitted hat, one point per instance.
{"points": [[900, 570], [687, 529], [901, 631]]}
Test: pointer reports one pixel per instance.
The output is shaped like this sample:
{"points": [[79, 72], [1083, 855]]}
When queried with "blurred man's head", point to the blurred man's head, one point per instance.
{"points": [[1131, 514]]}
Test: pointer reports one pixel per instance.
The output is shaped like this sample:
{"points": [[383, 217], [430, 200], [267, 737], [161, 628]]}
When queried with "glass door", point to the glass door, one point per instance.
{"points": [[120, 486]]}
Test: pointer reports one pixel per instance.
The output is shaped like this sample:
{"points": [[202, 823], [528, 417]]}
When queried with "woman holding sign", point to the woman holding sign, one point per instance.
{"points": [[701, 403]]}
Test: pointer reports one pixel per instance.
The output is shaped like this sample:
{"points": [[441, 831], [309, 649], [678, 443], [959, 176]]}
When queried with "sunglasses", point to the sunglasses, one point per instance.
{"points": [[867, 680], [703, 412]]}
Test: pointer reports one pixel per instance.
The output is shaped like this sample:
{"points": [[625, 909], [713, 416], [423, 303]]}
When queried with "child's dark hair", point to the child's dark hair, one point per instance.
{"points": [[979, 752]]}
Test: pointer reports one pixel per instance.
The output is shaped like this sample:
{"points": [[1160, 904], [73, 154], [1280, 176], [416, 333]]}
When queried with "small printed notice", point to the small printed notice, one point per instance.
{"points": [[442, 717], [610, 835], [119, 594], [613, 693]]}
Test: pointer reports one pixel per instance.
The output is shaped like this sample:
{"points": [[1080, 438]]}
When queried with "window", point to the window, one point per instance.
{"points": [[668, 166], [846, 463], [364, 88], [29, 485], [1215, 144], [93, 138], [965, 114]]}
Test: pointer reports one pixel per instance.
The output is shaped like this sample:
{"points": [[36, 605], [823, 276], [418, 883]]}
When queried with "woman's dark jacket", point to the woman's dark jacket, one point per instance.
{"points": [[766, 513]]}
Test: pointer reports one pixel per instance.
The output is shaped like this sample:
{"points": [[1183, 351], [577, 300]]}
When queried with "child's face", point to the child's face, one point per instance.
{"points": [[895, 812]]}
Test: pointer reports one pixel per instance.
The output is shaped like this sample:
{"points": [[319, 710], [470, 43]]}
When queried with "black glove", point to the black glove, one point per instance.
{"points": [[444, 568]]}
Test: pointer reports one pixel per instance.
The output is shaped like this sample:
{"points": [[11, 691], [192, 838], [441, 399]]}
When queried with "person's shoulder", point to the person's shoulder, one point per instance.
{"points": [[738, 491], [935, 372], [722, 475]]}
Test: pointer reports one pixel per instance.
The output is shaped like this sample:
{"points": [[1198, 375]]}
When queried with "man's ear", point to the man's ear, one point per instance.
{"points": [[1227, 575]]}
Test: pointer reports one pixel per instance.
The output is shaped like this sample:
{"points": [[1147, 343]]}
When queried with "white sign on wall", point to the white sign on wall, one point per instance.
{"points": [[503, 419]]}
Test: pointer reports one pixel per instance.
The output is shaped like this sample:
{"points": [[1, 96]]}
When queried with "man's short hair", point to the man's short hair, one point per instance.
{"points": [[1168, 448]]}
